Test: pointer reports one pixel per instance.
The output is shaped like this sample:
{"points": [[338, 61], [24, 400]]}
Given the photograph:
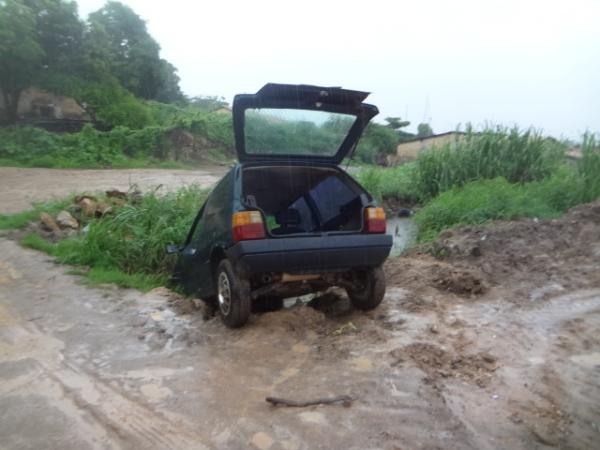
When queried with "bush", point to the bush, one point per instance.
{"points": [[517, 156], [133, 239], [385, 183], [484, 200], [112, 105]]}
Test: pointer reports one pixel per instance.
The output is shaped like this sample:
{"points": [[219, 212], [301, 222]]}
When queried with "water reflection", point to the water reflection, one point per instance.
{"points": [[404, 232]]}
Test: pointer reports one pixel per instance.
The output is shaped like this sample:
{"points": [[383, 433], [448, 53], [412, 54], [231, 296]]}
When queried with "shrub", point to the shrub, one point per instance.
{"points": [[484, 200], [517, 156], [133, 239]]}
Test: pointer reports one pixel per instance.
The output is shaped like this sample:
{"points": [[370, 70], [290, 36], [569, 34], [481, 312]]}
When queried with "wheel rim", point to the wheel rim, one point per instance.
{"points": [[224, 294]]}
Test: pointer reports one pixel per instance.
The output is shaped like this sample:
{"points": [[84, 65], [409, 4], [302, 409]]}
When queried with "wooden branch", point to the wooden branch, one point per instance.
{"points": [[345, 400]]}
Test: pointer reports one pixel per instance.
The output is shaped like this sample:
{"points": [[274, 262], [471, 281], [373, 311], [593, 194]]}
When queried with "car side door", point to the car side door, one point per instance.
{"points": [[208, 233]]}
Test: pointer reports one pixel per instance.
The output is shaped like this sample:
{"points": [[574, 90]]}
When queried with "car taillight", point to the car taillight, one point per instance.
{"points": [[247, 225], [374, 220]]}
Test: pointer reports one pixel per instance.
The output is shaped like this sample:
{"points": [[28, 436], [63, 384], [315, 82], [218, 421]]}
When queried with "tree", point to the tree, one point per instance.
{"points": [[424, 130], [20, 53], [40, 41], [395, 123], [209, 102], [132, 54]]}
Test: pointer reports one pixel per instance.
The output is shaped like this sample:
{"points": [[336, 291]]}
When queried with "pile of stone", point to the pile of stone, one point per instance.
{"points": [[83, 209]]}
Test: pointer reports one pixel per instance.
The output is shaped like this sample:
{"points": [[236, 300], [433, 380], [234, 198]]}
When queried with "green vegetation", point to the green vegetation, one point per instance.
{"points": [[490, 199], [208, 134], [127, 247], [21, 219], [106, 63], [518, 156]]}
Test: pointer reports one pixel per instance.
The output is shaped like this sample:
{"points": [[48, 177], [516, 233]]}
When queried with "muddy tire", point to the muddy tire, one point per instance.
{"points": [[233, 294], [267, 304], [371, 291]]}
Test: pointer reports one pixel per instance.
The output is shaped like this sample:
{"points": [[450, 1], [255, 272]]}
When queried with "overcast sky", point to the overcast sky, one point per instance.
{"points": [[529, 62]]}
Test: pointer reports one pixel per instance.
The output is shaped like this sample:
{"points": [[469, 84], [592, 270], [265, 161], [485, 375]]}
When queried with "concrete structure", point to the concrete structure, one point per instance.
{"points": [[409, 150], [35, 103]]}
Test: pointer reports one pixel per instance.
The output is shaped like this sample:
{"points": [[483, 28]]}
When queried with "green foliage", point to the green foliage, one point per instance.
{"points": [[121, 146], [133, 239], [393, 182], [424, 130], [395, 123], [208, 103], [484, 200], [102, 64], [588, 168], [20, 53], [110, 105], [128, 247], [377, 142], [132, 55], [518, 156]]}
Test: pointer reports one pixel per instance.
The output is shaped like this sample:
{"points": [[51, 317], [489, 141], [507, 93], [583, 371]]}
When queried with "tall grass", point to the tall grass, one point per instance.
{"points": [[128, 247], [517, 156], [394, 182], [484, 200]]}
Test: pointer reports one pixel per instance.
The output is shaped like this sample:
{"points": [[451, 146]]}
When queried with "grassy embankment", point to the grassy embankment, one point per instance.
{"points": [[158, 144], [496, 174], [125, 247]]}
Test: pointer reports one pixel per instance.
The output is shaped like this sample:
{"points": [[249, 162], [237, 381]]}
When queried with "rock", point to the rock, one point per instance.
{"points": [[49, 223], [102, 209], [116, 193], [66, 220], [88, 206]]}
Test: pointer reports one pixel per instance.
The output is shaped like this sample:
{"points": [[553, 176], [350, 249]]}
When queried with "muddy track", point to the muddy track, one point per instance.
{"points": [[497, 347], [21, 187]]}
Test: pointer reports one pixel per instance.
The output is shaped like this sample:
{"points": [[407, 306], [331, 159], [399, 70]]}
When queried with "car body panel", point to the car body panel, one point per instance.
{"points": [[308, 98], [311, 254]]}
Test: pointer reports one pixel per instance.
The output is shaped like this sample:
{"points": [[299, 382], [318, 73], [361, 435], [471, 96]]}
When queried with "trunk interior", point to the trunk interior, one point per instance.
{"points": [[304, 199]]}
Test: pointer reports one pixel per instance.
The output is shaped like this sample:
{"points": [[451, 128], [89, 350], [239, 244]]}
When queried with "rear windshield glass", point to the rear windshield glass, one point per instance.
{"points": [[295, 131]]}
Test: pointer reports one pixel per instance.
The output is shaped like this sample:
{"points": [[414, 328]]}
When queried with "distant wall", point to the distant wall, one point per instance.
{"points": [[408, 151], [35, 103]]}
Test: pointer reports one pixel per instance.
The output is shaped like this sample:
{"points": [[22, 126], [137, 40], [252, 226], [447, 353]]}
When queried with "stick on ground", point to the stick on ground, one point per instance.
{"points": [[345, 400]]}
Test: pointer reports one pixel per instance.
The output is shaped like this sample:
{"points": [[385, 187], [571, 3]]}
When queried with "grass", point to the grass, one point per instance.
{"points": [[482, 201], [21, 219], [518, 156], [128, 247], [387, 183]]}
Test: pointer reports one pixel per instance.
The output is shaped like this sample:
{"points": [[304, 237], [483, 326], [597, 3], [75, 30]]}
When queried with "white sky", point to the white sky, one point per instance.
{"points": [[527, 62]]}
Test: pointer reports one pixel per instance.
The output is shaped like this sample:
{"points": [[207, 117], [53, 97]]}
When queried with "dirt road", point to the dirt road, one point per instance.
{"points": [[20, 187], [496, 346]]}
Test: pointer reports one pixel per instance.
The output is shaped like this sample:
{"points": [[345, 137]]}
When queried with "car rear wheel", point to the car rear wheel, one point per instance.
{"points": [[233, 296], [369, 289]]}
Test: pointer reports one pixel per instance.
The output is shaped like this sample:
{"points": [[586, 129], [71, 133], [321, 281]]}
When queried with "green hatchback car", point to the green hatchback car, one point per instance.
{"points": [[286, 220]]}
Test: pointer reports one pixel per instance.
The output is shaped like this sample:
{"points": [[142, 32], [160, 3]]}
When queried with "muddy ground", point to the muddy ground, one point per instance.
{"points": [[20, 187], [494, 344]]}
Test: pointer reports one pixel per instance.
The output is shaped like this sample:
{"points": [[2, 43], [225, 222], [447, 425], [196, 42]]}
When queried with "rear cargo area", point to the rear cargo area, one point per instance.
{"points": [[303, 199]]}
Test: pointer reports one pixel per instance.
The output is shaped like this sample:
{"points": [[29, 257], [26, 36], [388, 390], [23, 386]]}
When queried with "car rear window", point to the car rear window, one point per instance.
{"points": [[295, 132]]}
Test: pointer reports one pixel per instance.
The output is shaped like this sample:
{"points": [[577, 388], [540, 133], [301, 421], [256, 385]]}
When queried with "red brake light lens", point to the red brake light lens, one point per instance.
{"points": [[247, 225], [375, 220]]}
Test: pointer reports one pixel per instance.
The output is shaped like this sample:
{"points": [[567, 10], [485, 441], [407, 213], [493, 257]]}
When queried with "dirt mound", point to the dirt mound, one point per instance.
{"points": [[532, 257], [420, 272], [438, 363]]}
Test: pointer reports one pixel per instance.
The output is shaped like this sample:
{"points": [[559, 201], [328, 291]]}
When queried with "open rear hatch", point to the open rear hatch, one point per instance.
{"points": [[284, 122]]}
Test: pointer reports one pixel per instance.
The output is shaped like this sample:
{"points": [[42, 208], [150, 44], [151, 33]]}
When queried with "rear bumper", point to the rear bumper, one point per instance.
{"points": [[311, 254]]}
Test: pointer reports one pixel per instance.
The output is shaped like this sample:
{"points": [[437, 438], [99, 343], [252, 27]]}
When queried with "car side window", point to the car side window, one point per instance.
{"points": [[213, 208]]}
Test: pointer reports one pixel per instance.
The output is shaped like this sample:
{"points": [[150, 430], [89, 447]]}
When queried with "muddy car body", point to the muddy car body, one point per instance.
{"points": [[286, 220]]}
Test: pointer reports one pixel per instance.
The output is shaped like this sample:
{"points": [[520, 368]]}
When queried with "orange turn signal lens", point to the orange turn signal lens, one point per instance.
{"points": [[375, 220], [247, 225]]}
